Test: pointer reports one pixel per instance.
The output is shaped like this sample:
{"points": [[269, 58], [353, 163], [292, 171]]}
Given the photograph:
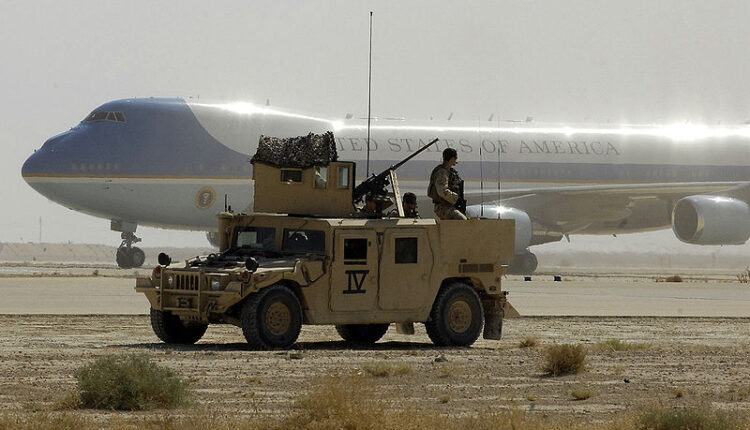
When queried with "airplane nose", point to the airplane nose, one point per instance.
{"points": [[31, 167], [44, 160]]}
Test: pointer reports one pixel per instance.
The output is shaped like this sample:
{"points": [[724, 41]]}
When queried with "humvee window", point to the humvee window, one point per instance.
{"points": [[406, 250], [355, 251], [290, 175], [344, 177], [321, 177], [255, 237], [307, 241]]}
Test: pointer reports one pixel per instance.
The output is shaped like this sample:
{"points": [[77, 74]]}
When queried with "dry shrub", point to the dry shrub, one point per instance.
{"points": [[581, 393], [529, 342], [618, 345], [562, 359], [744, 277], [130, 383], [696, 418], [673, 278], [383, 369]]}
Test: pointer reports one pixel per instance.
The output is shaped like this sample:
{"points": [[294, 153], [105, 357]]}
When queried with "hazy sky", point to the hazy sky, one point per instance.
{"points": [[573, 61]]}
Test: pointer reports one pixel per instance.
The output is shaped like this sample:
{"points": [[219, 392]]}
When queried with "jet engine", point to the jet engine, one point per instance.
{"points": [[711, 220], [523, 222]]}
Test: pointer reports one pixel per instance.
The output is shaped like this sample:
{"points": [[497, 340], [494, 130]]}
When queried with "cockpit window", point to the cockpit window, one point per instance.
{"points": [[105, 116]]}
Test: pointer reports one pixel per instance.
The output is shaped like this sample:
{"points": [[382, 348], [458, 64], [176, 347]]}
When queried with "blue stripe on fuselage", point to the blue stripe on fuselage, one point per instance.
{"points": [[160, 137]]}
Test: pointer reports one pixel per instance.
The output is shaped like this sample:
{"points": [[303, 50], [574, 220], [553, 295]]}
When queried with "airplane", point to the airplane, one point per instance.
{"points": [[172, 163]]}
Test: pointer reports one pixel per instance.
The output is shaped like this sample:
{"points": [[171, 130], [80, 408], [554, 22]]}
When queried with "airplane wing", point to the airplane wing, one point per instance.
{"points": [[604, 209]]}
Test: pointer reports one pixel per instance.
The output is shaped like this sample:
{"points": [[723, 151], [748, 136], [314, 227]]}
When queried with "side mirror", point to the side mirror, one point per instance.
{"points": [[251, 264], [164, 259]]}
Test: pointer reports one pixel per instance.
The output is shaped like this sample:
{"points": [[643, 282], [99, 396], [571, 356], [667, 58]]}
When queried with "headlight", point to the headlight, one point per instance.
{"points": [[170, 280], [215, 284]]}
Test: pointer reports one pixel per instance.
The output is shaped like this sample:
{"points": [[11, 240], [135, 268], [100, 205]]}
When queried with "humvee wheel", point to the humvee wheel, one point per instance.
{"points": [[362, 333], [457, 317], [271, 318], [170, 329]]}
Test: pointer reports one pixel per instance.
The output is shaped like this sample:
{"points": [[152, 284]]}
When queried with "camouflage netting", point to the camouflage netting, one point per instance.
{"points": [[297, 152]]}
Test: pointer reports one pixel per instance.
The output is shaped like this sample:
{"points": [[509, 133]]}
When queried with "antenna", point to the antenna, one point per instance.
{"points": [[369, 100], [499, 147], [481, 181]]}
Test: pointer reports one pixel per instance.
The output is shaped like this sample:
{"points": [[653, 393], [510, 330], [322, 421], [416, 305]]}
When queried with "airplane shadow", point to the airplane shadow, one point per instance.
{"points": [[300, 346]]}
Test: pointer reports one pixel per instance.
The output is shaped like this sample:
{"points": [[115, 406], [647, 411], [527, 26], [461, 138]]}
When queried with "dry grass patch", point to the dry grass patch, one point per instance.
{"points": [[39, 421], [383, 369], [695, 418], [565, 358], [448, 370], [130, 383], [529, 342], [581, 393], [618, 345]]}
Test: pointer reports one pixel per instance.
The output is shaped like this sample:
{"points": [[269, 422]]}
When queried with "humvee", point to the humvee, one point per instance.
{"points": [[275, 272]]}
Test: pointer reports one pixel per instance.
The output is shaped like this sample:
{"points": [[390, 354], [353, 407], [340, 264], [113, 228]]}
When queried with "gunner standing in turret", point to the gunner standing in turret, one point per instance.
{"points": [[445, 186]]}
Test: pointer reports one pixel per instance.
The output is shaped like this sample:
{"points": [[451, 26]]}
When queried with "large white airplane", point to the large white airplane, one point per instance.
{"points": [[170, 163]]}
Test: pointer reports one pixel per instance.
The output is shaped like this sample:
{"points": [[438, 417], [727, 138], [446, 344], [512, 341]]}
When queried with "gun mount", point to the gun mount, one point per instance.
{"points": [[377, 185]]}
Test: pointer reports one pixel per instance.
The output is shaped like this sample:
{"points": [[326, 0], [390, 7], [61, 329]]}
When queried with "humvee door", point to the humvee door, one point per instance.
{"points": [[354, 271], [405, 269]]}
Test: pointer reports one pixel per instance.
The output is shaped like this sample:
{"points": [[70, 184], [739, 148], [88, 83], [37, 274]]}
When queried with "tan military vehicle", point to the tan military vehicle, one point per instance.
{"points": [[275, 272]]}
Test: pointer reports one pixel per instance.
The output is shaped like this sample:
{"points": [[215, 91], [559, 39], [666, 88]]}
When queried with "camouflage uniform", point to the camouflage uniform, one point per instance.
{"points": [[442, 183]]}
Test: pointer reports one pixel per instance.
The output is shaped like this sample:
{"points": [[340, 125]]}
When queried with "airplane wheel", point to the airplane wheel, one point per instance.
{"points": [[362, 333], [457, 316], [123, 258], [271, 318], [170, 329], [137, 257]]}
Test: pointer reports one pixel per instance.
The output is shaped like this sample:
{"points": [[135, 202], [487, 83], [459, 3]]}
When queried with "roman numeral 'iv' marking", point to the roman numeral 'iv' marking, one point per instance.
{"points": [[358, 276]]}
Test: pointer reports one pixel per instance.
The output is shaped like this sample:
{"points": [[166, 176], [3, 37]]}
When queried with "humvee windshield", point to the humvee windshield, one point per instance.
{"points": [[307, 241], [254, 238]]}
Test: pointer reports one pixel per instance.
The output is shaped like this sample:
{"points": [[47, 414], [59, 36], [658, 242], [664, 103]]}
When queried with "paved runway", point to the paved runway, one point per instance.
{"points": [[580, 297]]}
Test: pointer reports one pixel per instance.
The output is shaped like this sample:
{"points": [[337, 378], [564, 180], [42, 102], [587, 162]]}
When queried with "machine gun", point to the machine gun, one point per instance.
{"points": [[377, 185], [461, 202]]}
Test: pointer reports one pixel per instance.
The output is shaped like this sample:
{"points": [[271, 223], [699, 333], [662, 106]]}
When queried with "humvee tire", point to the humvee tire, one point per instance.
{"points": [[362, 333], [271, 318], [457, 316], [170, 329]]}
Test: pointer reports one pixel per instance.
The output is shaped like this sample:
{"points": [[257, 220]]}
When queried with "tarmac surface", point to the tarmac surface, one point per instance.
{"points": [[681, 343], [577, 295]]}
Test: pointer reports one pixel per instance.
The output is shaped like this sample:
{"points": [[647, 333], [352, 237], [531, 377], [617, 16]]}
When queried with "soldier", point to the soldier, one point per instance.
{"points": [[374, 206], [410, 207], [445, 185]]}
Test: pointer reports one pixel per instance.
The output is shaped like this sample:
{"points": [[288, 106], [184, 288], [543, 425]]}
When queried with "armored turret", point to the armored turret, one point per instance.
{"points": [[301, 176]]}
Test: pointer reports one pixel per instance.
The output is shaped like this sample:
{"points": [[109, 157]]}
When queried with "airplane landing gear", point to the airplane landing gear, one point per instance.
{"points": [[129, 256], [524, 264]]}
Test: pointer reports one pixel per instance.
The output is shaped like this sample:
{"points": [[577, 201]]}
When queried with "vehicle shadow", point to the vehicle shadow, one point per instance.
{"points": [[297, 347]]}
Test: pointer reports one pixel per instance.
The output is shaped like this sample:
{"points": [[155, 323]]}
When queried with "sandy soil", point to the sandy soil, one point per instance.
{"points": [[703, 359]]}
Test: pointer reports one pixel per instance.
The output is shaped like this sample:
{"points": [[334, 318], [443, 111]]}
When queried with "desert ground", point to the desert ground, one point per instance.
{"points": [[686, 343]]}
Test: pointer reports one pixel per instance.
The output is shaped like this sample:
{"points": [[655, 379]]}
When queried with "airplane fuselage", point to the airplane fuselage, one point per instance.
{"points": [[169, 163]]}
